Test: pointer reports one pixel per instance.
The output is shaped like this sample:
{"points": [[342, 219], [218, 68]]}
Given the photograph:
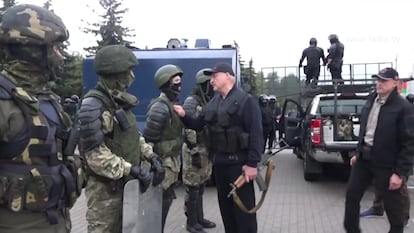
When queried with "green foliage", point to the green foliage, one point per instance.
{"points": [[248, 77], [271, 83], [110, 28], [69, 76]]}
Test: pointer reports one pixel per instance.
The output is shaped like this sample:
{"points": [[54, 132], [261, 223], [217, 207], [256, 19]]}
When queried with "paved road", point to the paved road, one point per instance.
{"points": [[292, 205]]}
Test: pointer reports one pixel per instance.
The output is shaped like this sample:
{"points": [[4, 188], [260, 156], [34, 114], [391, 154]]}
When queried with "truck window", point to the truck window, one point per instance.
{"points": [[345, 106]]}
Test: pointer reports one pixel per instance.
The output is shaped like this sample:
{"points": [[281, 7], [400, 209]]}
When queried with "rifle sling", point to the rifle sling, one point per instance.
{"points": [[239, 203]]}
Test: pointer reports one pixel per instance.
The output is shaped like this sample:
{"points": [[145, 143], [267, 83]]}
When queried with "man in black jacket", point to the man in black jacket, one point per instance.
{"points": [[313, 55], [384, 153], [234, 122]]}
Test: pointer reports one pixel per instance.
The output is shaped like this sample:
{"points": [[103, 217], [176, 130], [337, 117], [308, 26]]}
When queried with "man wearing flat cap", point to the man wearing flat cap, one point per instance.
{"points": [[234, 122], [384, 153]]}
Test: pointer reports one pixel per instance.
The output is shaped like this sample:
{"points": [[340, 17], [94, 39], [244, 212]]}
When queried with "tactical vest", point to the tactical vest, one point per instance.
{"points": [[35, 176], [123, 143], [171, 137], [267, 117], [224, 120]]}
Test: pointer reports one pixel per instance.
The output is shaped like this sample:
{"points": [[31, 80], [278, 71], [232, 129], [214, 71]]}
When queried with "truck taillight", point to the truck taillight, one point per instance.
{"points": [[316, 131]]}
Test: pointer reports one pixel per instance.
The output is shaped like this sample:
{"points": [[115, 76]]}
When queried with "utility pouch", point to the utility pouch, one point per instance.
{"points": [[15, 194], [75, 166], [244, 141], [231, 144], [224, 120], [122, 119], [37, 194]]}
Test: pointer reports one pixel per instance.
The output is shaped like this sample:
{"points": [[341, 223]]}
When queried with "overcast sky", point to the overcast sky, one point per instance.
{"points": [[273, 33]]}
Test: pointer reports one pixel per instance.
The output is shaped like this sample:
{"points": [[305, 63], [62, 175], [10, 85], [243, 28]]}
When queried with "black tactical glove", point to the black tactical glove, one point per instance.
{"points": [[143, 175], [196, 160], [158, 169]]}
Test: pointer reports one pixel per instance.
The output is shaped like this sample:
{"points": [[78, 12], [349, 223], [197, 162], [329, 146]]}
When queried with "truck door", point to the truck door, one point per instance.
{"points": [[291, 122]]}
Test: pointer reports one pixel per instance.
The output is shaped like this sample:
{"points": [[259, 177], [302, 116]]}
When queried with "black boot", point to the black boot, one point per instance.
{"points": [[191, 211], [200, 212], [167, 198]]}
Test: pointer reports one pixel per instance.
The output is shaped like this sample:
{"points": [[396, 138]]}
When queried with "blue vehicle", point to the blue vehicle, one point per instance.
{"points": [[190, 60]]}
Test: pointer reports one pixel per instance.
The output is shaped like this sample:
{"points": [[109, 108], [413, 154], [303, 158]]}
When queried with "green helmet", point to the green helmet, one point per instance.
{"points": [[114, 59], [201, 77], [165, 73], [31, 25]]}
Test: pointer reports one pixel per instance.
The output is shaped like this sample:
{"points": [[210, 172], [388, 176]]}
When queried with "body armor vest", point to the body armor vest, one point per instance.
{"points": [[224, 121], [34, 174], [123, 143], [171, 138]]}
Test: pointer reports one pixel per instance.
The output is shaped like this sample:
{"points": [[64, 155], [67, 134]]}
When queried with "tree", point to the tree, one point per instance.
{"points": [[69, 75], [110, 28], [248, 77]]}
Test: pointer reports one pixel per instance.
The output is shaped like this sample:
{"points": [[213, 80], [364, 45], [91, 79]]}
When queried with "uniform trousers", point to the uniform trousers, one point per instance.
{"points": [[363, 174], [235, 220]]}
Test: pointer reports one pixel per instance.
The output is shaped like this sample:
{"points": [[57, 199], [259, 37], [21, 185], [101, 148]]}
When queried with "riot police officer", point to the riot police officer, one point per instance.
{"points": [[335, 56], [164, 130], [276, 113], [37, 186], [196, 163], [110, 140], [313, 55], [267, 120]]}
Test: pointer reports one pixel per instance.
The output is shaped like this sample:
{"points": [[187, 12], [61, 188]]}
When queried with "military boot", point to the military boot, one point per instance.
{"points": [[191, 211], [200, 212], [192, 225]]}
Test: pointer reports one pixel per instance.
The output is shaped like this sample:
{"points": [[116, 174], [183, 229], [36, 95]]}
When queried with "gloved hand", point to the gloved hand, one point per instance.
{"points": [[158, 169], [143, 175], [196, 160]]}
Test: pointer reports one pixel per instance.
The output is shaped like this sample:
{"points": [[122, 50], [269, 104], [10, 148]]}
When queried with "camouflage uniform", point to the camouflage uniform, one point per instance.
{"points": [[38, 173], [164, 130], [196, 163], [110, 140]]}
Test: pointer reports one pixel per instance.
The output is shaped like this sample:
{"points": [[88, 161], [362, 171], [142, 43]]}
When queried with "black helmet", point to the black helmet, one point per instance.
{"points": [[263, 98], [313, 41], [410, 98], [333, 38]]}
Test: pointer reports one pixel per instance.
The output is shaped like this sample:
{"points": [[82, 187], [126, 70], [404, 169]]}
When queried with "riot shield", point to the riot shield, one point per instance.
{"points": [[141, 211]]}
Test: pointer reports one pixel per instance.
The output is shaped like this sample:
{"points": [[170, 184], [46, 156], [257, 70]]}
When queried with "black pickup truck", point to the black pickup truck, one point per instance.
{"points": [[324, 128]]}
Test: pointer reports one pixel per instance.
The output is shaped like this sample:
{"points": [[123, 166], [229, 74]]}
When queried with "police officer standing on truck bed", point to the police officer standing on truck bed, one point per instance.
{"points": [[234, 123], [335, 56], [313, 55], [196, 163], [384, 153], [37, 186], [110, 139], [164, 130]]}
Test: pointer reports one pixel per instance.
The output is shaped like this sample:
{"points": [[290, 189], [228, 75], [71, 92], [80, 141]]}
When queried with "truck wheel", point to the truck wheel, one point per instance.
{"points": [[312, 169]]}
